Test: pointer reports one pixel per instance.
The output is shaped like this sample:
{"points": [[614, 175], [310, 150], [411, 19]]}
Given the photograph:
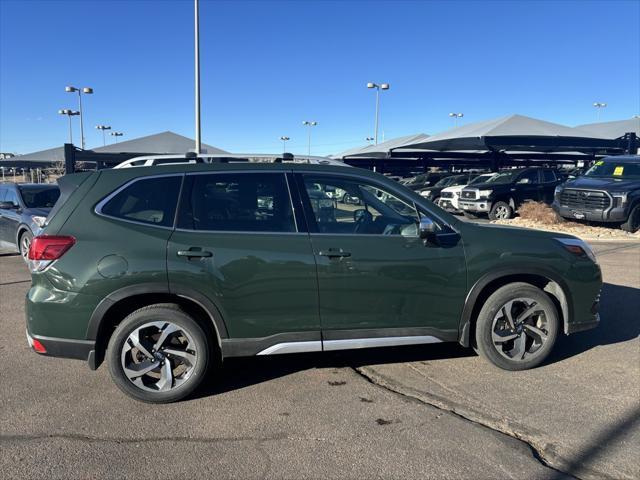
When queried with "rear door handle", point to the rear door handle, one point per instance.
{"points": [[194, 252], [334, 253]]}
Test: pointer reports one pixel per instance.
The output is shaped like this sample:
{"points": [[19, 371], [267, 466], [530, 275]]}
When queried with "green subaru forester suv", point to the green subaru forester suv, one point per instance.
{"points": [[164, 271]]}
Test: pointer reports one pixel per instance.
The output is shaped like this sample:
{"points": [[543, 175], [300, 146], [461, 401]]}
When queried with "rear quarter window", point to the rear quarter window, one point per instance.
{"points": [[151, 201]]}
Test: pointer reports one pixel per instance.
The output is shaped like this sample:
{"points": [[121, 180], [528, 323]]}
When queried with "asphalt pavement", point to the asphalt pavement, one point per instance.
{"points": [[419, 412]]}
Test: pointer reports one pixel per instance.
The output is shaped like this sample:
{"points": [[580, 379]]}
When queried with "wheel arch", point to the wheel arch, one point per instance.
{"points": [[22, 228], [117, 305], [547, 281]]}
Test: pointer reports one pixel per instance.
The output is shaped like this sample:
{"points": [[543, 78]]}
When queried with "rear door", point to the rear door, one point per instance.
{"points": [[10, 217], [239, 245], [376, 278], [550, 180]]}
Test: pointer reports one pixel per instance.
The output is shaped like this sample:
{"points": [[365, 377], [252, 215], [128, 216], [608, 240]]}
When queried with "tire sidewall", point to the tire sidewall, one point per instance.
{"points": [[489, 310], [22, 235], [139, 318], [494, 207], [633, 221]]}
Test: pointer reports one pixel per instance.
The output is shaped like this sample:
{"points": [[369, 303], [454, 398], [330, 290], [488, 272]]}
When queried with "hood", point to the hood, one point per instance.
{"points": [[455, 188], [521, 231], [42, 212], [604, 183]]}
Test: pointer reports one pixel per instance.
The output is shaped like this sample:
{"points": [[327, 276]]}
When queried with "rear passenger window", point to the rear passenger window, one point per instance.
{"points": [[241, 202], [549, 176], [151, 201]]}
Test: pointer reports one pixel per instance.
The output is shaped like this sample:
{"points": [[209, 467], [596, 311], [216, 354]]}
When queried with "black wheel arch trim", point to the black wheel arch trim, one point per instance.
{"points": [[106, 303], [563, 296]]}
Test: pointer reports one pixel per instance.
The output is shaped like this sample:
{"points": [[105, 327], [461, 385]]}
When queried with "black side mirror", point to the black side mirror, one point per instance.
{"points": [[428, 230], [8, 206]]}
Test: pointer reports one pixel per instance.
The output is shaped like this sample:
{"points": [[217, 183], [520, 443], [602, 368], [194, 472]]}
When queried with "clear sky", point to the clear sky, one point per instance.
{"points": [[267, 66]]}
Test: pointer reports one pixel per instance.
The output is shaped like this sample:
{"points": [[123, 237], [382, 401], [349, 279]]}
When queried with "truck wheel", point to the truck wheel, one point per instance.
{"points": [[517, 327], [158, 354], [501, 211], [632, 224]]}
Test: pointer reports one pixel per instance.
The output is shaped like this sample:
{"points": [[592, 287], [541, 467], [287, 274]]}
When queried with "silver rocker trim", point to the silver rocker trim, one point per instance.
{"points": [[347, 344], [292, 347]]}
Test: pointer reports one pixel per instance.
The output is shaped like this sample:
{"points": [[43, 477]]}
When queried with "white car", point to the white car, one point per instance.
{"points": [[449, 196]]}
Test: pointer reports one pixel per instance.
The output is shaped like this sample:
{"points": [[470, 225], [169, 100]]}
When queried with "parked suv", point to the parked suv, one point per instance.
{"points": [[608, 192], [500, 196], [163, 271], [23, 210]]}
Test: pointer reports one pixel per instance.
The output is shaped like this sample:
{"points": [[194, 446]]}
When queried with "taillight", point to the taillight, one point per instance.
{"points": [[45, 249]]}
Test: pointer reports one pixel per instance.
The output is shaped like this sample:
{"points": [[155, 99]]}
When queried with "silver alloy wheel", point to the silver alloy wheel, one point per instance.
{"points": [[502, 212], [25, 243], [158, 356], [520, 329]]}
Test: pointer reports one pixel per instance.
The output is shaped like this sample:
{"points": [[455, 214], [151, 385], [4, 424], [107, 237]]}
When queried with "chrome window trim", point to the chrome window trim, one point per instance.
{"points": [[98, 208], [246, 232]]}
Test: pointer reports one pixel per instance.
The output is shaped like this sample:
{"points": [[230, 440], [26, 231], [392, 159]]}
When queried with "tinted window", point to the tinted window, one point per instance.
{"points": [[241, 202], [11, 196], [43, 196], [346, 206], [151, 201], [549, 176], [3, 191], [614, 169], [531, 175]]}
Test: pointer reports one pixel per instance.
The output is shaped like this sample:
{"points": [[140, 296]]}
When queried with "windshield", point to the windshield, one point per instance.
{"points": [[614, 169], [504, 177], [480, 179], [445, 182], [39, 196]]}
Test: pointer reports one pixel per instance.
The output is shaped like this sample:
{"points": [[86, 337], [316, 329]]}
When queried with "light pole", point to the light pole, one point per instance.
{"points": [[103, 128], [456, 116], [196, 39], [599, 106], [382, 86], [369, 140], [284, 143], [309, 124], [69, 113], [116, 135], [80, 91]]}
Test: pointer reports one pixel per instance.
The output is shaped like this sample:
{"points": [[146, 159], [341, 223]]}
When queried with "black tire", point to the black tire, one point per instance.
{"points": [[632, 225], [500, 211], [23, 244], [498, 353], [172, 314], [436, 200], [471, 216]]}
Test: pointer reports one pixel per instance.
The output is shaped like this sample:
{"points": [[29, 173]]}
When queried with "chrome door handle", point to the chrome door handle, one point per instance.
{"points": [[334, 253], [194, 253]]}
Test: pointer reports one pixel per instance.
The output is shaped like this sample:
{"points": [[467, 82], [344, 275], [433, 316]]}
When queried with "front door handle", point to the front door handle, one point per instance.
{"points": [[194, 252], [334, 253]]}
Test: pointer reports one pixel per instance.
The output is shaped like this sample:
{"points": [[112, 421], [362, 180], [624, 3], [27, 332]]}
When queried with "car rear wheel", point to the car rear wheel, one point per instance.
{"points": [[517, 327], [632, 224], [158, 354], [24, 243], [501, 211]]}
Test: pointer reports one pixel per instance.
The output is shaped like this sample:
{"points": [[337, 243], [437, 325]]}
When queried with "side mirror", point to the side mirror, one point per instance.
{"points": [[427, 230], [8, 206]]}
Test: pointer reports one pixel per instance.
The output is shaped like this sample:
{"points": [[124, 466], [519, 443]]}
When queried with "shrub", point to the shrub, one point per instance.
{"points": [[539, 212]]}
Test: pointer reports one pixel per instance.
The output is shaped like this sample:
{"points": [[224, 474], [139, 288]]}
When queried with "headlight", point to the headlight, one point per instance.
{"points": [[484, 193], [578, 247], [38, 220], [622, 196], [426, 193]]}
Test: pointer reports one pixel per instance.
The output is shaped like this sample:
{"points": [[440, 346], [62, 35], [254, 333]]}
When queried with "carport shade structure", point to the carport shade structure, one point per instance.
{"points": [[514, 133], [612, 130], [384, 149]]}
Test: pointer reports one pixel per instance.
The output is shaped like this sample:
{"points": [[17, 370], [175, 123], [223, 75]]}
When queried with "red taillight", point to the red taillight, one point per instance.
{"points": [[50, 247], [37, 346]]}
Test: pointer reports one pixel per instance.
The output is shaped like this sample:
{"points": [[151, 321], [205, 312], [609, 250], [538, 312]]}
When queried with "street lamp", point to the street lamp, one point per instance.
{"points": [[456, 116], [382, 86], [69, 113], [103, 128], [284, 143], [309, 124], [88, 91], [369, 139], [599, 105], [116, 134]]}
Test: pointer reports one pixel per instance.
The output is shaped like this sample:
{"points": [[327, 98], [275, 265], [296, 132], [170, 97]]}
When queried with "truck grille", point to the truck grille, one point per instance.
{"points": [[468, 194], [446, 195], [585, 199]]}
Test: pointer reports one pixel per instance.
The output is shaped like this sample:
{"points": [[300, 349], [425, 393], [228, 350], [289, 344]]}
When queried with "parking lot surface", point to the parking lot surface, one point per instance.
{"points": [[434, 411]]}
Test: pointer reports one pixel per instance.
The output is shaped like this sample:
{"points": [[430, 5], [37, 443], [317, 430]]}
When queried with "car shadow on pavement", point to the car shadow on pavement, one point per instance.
{"points": [[619, 314], [238, 373]]}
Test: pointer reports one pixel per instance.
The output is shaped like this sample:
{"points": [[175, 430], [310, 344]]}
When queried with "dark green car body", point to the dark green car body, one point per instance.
{"points": [[288, 291]]}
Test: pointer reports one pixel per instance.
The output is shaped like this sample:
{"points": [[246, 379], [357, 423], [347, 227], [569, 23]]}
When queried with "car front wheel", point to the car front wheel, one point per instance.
{"points": [[501, 211], [632, 224], [158, 354], [517, 327]]}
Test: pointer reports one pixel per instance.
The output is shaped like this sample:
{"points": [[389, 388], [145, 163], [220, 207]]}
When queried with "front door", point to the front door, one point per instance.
{"points": [[376, 278], [10, 218], [528, 187], [237, 244]]}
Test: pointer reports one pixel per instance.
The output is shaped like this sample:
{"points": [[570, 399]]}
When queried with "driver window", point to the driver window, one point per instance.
{"points": [[352, 207], [529, 177]]}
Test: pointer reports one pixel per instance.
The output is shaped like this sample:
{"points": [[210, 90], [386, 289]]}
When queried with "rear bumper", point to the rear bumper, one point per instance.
{"points": [[617, 215], [63, 347]]}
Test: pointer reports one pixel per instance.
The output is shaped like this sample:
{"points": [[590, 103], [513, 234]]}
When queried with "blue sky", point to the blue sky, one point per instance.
{"points": [[267, 66]]}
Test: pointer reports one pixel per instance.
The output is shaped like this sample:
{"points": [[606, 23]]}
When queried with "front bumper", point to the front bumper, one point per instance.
{"points": [[448, 205], [481, 206], [615, 214]]}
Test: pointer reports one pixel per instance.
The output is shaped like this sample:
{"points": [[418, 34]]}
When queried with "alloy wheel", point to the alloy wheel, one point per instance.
{"points": [[158, 356], [502, 212], [25, 243], [520, 329]]}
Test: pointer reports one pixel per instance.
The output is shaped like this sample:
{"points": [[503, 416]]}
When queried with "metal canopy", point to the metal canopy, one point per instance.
{"points": [[514, 132], [612, 130], [382, 150]]}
